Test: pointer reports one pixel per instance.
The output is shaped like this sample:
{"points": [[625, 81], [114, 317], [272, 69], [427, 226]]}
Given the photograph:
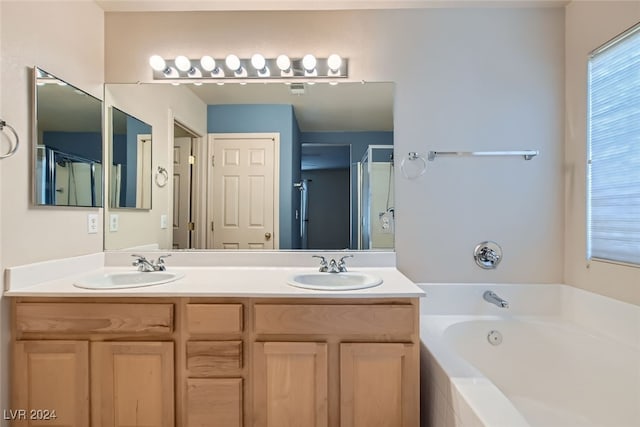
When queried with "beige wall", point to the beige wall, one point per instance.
{"points": [[153, 105], [467, 79], [589, 25], [67, 39]]}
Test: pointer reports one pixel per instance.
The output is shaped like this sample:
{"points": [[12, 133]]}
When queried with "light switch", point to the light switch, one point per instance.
{"points": [[92, 223], [113, 222], [163, 221]]}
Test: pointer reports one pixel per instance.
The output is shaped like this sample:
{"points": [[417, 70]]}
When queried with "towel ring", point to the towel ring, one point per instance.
{"points": [[413, 156], [14, 147], [162, 177]]}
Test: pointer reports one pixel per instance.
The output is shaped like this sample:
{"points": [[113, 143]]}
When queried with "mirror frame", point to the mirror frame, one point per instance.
{"points": [[98, 178], [109, 158]]}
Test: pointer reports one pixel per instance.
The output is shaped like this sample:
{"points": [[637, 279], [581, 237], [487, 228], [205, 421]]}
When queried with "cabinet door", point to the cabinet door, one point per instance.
{"points": [[290, 384], [214, 402], [379, 385], [50, 376], [132, 384]]}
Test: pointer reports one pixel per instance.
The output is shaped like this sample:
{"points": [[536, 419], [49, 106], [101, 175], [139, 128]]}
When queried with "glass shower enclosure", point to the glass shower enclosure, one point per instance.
{"points": [[376, 228]]}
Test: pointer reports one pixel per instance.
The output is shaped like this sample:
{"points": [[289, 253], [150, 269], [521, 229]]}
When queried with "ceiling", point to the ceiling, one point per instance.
{"points": [[235, 5], [322, 107]]}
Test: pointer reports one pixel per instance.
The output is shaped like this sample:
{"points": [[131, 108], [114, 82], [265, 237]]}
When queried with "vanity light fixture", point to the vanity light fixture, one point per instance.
{"points": [[182, 63], [260, 64], [309, 63], [257, 67], [160, 66], [235, 64]]}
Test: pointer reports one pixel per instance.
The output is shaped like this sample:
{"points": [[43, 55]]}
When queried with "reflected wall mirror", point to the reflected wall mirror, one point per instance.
{"points": [[130, 162], [333, 183], [67, 148]]}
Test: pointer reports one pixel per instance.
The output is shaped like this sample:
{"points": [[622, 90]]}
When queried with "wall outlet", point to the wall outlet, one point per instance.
{"points": [[92, 223], [113, 222], [163, 221]]}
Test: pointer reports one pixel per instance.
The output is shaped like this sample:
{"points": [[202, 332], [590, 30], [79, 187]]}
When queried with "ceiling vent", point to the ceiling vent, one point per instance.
{"points": [[296, 88]]}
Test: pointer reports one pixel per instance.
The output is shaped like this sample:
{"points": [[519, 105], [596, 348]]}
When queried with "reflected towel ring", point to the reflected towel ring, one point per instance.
{"points": [[14, 147], [422, 166], [162, 177]]}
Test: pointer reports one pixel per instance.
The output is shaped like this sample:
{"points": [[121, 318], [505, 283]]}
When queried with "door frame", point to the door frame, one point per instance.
{"points": [[275, 137]]}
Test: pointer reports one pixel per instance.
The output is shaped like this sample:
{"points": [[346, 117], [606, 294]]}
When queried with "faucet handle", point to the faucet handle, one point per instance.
{"points": [[161, 258], [138, 259], [160, 261], [342, 265], [323, 262]]}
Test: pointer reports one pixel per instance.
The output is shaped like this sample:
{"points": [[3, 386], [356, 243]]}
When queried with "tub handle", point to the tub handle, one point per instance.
{"points": [[487, 254]]}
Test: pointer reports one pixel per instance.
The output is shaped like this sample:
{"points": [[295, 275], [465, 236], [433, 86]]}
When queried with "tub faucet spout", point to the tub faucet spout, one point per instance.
{"points": [[491, 297]]}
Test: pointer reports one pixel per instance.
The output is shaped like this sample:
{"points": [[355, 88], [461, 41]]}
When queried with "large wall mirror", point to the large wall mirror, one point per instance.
{"points": [[67, 144], [130, 153], [330, 146]]}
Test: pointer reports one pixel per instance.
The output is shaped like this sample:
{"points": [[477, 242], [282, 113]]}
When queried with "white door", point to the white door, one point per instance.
{"points": [[181, 193], [244, 195]]}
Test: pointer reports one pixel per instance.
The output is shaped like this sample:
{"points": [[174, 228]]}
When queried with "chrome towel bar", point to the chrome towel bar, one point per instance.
{"points": [[527, 154]]}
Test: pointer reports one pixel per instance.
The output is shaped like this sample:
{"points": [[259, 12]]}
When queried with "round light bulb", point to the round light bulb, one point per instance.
{"points": [[309, 62], [233, 62], [258, 62], [157, 63], [283, 62], [182, 63], [334, 62], [208, 63]]}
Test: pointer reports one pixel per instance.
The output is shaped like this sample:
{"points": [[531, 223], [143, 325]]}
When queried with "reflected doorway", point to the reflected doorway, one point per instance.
{"points": [[184, 145], [325, 221]]}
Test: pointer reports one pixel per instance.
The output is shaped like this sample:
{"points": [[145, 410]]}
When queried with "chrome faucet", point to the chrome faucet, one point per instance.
{"points": [[491, 297], [332, 266], [147, 266]]}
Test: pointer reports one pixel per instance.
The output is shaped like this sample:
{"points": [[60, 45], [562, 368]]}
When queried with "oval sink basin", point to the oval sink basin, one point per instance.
{"points": [[130, 279], [335, 281]]}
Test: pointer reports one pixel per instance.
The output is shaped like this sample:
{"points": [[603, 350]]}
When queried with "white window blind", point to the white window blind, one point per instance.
{"points": [[613, 199]]}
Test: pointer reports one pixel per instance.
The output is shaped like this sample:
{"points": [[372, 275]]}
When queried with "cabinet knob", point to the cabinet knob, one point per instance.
{"points": [[267, 235]]}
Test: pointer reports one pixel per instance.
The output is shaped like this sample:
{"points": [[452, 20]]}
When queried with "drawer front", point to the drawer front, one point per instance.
{"points": [[371, 320], [214, 402], [214, 318], [210, 358], [94, 318]]}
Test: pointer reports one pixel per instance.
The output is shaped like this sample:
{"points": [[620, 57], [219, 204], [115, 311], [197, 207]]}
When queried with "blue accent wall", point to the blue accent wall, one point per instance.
{"points": [[359, 141], [244, 118], [87, 145]]}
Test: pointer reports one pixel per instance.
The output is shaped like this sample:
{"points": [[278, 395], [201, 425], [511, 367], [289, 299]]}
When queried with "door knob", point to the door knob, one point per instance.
{"points": [[267, 235]]}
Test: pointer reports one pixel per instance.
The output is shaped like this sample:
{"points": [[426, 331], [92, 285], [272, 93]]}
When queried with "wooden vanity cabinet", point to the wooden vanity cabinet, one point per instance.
{"points": [[233, 362], [346, 363], [93, 364], [214, 369]]}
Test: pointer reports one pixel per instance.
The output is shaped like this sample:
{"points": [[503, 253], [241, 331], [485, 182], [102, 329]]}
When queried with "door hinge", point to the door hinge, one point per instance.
{"points": [[192, 226], [192, 160], [213, 161], [211, 225]]}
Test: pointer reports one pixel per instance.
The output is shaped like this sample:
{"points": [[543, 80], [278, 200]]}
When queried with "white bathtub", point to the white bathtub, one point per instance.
{"points": [[568, 358]]}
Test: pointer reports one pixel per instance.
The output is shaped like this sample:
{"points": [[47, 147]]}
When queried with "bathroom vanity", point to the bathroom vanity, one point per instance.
{"points": [[188, 354]]}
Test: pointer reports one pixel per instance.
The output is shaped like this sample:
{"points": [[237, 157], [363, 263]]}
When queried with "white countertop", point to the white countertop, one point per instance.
{"points": [[255, 282]]}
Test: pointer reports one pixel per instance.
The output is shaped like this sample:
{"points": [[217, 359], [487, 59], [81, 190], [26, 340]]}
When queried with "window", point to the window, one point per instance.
{"points": [[613, 190]]}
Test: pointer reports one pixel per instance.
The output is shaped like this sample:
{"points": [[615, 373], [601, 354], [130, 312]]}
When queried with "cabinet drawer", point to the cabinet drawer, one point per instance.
{"points": [[214, 318], [209, 358], [214, 402], [376, 320], [94, 318]]}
